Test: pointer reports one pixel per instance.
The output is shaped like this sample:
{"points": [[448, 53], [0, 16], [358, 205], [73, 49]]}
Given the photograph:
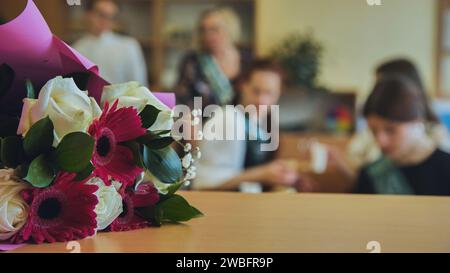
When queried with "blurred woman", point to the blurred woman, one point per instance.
{"points": [[211, 72], [410, 162]]}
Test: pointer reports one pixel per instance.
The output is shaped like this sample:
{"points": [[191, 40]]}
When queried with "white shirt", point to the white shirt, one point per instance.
{"points": [[224, 159], [119, 58]]}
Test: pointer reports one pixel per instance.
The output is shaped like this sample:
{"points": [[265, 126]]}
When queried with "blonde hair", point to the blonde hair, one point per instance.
{"points": [[231, 21]]}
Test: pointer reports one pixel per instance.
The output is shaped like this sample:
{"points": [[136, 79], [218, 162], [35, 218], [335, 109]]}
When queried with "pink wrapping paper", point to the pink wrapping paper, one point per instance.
{"points": [[29, 47]]}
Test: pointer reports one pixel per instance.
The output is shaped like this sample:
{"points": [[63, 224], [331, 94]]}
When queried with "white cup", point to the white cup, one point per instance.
{"points": [[319, 158]]}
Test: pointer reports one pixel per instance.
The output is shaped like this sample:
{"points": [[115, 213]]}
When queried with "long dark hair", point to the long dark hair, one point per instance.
{"points": [[396, 98], [407, 68]]}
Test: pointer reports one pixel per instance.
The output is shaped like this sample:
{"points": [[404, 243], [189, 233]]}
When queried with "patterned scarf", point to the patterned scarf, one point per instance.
{"points": [[220, 84], [387, 178]]}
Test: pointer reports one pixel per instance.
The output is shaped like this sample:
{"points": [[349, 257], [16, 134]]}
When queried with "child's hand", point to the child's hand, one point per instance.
{"points": [[305, 184], [279, 173]]}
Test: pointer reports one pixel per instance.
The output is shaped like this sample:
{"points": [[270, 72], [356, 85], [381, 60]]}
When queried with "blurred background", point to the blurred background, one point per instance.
{"points": [[330, 49]]}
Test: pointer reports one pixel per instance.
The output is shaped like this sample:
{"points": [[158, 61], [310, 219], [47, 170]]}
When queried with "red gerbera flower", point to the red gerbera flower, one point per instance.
{"points": [[61, 213], [145, 195], [128, 220], [111, 160]]}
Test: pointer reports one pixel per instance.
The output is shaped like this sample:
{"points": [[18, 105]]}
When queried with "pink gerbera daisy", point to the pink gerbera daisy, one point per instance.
{"points": [[112, 160], [60, 213]]}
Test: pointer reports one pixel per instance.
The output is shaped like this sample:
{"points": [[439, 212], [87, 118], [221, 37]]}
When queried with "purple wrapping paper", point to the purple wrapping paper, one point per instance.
{"points": [[7, 247], [29, 47]]}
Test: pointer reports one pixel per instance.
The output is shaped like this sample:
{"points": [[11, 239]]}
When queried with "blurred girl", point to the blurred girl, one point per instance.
{"points": [[363, 149], [410, 162]]}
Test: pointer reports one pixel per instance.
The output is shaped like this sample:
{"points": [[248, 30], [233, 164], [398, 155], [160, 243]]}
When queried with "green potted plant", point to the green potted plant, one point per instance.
{"points": [[300, 55]]}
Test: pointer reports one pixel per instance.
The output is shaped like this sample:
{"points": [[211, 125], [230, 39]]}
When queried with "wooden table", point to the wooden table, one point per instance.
{"points": [[289, 223]]}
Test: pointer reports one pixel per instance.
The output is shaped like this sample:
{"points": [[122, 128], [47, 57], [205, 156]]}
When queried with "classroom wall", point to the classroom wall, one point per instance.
{"points": [[356, 36]]}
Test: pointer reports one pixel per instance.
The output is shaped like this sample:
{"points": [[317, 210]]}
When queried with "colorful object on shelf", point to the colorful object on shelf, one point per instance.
{"points": [[339, 120]]}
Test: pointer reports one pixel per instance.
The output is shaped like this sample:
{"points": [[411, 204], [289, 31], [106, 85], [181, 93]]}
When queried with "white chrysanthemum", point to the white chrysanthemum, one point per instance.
{"points": [[109, 205]]}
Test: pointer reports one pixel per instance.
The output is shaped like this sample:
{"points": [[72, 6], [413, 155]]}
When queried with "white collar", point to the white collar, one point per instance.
{"points": [[104, 37]]}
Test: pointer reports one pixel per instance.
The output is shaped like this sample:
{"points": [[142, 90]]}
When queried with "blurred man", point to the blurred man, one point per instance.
{"points": [[119, 58]]}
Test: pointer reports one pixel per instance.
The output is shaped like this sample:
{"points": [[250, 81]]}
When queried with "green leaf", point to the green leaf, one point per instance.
{"points": [[149, 136], [174, 188], [155, 142], [149, 116], [74, 153], [162, 132], [151, 214], [160, 143], [177, 209], [85, 173], [135, 148], [171, 190], [164, 164], [39, 138], [7, 76], [11, 151], [30, 89], [40, 173]]}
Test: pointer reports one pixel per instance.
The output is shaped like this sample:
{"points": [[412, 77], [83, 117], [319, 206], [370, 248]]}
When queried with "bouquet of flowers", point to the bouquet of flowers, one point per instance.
{"points": [[70, 168]]}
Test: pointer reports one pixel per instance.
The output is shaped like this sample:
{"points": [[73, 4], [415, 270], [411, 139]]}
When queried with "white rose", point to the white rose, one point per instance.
{"points": [[69, 108], [109, 205], [13, 209], [132, 94]]}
